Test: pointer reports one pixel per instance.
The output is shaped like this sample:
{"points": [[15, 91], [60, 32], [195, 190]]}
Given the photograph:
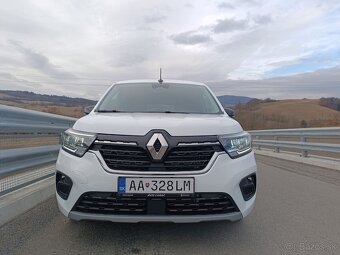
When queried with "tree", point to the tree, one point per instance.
{"points": [[303, 124]]}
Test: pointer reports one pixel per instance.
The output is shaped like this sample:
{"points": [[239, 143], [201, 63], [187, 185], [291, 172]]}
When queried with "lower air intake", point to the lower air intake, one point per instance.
{"points": [[116, 204]]}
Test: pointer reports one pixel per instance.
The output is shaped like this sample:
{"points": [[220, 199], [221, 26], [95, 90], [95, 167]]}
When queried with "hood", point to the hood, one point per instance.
{"points": [[142, 123]]}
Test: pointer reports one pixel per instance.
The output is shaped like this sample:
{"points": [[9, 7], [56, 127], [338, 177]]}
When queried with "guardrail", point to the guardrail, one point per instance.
{"points": [[275, 139], [21, 162], [13, 160], [21, 130]]}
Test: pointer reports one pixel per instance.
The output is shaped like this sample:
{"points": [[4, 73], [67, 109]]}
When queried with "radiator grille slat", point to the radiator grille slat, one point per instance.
{"points": [[137, 158], [115, 204]]}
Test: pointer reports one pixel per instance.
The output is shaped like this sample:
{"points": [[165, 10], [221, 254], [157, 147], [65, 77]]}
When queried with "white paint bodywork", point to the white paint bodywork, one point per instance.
{"points": [[142, 123], [222, 174]]}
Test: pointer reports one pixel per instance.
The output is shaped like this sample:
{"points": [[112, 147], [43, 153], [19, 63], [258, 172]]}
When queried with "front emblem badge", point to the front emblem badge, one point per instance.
{"points": [[157, 146]]}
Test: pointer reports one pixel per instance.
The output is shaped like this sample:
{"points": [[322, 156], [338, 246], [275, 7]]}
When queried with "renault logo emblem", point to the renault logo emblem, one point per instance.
{"points": [[157, 146]]}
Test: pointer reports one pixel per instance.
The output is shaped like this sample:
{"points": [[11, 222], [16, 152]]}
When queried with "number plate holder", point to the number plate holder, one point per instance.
{"points": [[156, 185]]}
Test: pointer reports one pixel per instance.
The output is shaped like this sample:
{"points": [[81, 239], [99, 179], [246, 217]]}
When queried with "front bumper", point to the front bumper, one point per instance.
{"points": [[222, 175], [155, 218]]}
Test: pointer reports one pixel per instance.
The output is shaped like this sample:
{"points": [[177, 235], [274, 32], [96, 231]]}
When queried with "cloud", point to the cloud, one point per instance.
{"points": [[9, 81], [229, 25], [262, 19], [155, 18], [190, 38], [189, 5], [322, 83], [92, 91], [40, 62], [225, 5], [71, 48]]}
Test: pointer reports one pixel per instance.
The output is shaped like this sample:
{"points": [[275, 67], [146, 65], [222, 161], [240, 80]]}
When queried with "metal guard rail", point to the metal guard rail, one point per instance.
{"points": [[14, 160], [303, 133], [17, 122]]}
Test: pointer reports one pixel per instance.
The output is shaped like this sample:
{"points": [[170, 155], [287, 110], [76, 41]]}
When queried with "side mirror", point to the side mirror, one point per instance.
{"points": [[88, 109], [230, 112]]}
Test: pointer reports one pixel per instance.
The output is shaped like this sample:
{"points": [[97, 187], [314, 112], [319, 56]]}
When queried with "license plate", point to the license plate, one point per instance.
{"points": [[155, 185]]}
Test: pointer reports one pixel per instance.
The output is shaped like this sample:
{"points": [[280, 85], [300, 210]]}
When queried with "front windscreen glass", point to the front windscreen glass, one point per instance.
{"points": [[168, 98]]}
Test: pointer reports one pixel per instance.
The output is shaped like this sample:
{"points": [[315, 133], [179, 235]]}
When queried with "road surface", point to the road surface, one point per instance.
{"points": [[297, 212]]}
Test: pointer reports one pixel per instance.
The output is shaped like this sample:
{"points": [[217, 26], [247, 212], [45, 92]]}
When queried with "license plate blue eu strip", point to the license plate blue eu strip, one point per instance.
{"points": [[121, 184]]}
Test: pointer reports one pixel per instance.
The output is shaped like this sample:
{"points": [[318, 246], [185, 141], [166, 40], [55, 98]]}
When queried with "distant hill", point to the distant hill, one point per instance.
{"points": [[61, 105], [252, 113], [25, 96], [71, 106], [292, 113], [229, 100]]}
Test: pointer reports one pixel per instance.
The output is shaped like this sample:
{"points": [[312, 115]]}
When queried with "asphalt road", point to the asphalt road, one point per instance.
{"points": [[297, 212]]}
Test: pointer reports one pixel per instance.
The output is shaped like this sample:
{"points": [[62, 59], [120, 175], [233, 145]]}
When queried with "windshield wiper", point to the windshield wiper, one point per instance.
{"points": [[143, 112], [175, 112], [108, 111]]}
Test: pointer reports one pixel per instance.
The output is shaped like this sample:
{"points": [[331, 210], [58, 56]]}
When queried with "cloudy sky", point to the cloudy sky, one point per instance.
{"points": [[276, 48]]}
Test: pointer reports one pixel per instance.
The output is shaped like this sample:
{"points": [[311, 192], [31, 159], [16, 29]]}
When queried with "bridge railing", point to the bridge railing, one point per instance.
{"points": [[29, 143], [306, 140]]}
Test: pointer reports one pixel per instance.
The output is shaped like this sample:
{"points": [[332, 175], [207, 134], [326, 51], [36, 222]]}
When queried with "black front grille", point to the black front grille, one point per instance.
{"points": [[135, 158], [109, 203], [123, 157], [116, 204], [204, 203], [130, 152], [189, 158]]}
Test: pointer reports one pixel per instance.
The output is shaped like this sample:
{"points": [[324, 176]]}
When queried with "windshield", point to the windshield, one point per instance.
{"points": [[154, 97]]}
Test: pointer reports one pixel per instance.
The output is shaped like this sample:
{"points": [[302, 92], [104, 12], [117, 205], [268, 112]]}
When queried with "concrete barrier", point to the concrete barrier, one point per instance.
{"points": [[24, 199]]}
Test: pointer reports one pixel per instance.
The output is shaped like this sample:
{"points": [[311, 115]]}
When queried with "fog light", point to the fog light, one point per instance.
{"points": [[248, 186], [63, 185]]}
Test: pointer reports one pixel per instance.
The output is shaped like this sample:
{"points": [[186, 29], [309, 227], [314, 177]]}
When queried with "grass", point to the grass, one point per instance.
{"points": [[286, 114], [71, 111]]}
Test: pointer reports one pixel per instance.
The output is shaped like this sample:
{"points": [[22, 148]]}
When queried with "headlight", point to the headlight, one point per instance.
{"points": [[77, 143], [236, 146]]}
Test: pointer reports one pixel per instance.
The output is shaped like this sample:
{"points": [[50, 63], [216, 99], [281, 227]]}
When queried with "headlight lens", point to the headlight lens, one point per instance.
{"points": [[236, 146], [77, 143]]}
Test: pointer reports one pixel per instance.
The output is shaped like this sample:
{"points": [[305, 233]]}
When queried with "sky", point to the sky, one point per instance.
{"points": [[277, 49]]}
